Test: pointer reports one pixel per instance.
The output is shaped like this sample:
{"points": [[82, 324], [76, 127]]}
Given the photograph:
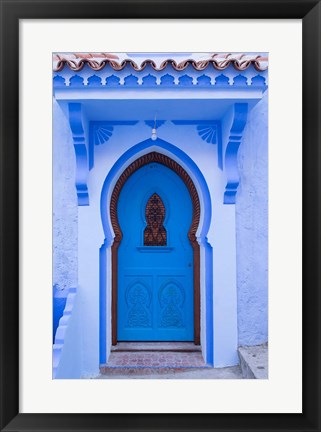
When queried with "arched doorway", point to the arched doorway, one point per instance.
{"points": [[155, 212]]}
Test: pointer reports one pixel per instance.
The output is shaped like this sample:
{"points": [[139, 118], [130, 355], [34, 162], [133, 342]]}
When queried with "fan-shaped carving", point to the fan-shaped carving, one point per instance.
{"points": [[208, 133], [102, 134]]}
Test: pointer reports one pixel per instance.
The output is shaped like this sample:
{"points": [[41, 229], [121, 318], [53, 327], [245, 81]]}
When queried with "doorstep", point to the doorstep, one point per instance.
{"points": [[154, 355], [156, 346]]}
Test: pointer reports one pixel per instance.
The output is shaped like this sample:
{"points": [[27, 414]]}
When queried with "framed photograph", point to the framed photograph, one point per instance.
{"points": [[154, 120], [159, 216]]}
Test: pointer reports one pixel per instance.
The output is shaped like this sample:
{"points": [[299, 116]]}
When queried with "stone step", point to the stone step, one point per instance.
{"points": [[233, 372], [254, 361], [156, 346], [128, 372]]}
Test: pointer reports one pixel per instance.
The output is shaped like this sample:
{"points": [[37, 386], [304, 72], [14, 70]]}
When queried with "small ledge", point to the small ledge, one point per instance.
{"points": [[163, 249]]}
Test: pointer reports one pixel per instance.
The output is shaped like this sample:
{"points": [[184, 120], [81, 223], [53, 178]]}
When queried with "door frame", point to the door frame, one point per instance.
{"points": [[179, 170]]}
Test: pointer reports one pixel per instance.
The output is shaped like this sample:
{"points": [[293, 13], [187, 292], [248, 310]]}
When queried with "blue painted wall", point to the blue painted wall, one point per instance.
{"points": [[252, 229]]}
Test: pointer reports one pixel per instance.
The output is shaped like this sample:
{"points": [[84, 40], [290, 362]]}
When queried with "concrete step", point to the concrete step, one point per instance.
{"points": [[156, 346], [254, 361], [233, 372]]}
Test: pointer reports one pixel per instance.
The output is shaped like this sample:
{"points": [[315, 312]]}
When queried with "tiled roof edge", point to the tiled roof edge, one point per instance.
{"points": [[97, 62]]}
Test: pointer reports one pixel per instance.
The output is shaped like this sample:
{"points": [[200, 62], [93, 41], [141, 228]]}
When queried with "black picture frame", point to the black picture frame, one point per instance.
{"points": [[13, 10]]}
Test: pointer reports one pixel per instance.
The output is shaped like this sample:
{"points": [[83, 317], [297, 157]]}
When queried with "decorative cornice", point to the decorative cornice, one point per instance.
{"points": [[235, 138], [78, 136], [220, 82]]}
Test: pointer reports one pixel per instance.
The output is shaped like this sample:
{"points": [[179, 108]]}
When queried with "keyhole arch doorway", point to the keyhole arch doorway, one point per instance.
{"points": [[184, 176]]}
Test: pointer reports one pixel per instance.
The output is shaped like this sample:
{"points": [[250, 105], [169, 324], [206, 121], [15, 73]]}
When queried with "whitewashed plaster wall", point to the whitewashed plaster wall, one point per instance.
{"points": [[65, 212], [252, 229]]}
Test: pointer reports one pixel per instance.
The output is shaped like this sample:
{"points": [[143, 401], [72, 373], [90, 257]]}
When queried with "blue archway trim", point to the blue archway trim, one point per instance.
{"points": [[102, 305], [235, 138], [209, 303], [190, 164], [79, 140]]}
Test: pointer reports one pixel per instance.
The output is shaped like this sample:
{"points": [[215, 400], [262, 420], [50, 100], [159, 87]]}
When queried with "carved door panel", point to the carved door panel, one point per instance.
{"points": [[155, 258]]}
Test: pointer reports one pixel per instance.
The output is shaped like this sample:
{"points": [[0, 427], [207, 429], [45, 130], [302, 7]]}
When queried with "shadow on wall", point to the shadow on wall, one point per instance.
{"points": [[58, 307], [67, 346]]}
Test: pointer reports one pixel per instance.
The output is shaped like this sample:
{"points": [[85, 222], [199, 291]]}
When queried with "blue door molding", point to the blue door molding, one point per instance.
{"points": [[127, 175], [192, 169]]}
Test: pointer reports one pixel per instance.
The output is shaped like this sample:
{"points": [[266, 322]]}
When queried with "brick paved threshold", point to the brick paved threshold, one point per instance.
{"points": [[160, 360], [155, 355]]}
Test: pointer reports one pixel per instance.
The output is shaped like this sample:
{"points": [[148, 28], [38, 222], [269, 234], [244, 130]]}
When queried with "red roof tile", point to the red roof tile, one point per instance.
{"points": [[199, 61]]}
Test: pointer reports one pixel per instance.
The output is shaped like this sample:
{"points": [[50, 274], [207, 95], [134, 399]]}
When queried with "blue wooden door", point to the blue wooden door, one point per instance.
{"points": [[155, 300]]}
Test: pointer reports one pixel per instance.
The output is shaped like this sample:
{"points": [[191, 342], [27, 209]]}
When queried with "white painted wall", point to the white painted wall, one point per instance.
{"points": [[65, 212]]}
